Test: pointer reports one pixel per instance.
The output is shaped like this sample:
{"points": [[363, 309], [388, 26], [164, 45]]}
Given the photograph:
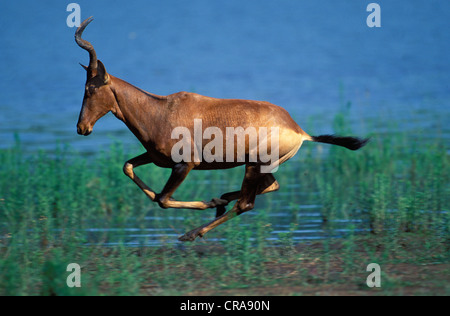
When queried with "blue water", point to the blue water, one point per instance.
{"points": [[307, 56]]}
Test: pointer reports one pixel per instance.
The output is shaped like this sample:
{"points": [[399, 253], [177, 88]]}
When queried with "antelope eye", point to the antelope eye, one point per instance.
{"points": [[91, 89]]}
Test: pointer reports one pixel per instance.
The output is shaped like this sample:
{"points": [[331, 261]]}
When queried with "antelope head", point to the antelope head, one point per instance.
{"points": [[98, 96]]}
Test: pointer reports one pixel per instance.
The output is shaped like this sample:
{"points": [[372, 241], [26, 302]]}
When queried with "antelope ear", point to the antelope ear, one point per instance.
{"points": [[101, 72], [85, 67]]}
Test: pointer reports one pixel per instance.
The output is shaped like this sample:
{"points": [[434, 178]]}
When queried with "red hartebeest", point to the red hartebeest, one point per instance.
{"points": [[152, 119]]}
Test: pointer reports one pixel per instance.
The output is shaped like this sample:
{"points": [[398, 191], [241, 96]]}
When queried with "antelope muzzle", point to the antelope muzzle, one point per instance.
{"points": [[83, 130]]}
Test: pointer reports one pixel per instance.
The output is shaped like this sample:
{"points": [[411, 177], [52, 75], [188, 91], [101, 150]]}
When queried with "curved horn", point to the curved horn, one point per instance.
{"points": [[86, 45]]}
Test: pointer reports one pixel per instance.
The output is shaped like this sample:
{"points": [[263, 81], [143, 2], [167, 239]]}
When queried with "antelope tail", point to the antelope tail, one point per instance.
{"points": [[352, 143]]}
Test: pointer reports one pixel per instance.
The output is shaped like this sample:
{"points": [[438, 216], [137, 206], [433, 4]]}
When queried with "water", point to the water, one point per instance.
{"points": [[307, 56], [310, 57], [310, 227]]}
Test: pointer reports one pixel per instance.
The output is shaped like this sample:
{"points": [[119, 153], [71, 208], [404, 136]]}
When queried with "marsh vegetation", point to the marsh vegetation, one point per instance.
{"points": [[337, 211]]}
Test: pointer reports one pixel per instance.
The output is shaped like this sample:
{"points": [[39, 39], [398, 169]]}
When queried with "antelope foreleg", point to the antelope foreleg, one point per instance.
{"points": [[128, 170], [178, 175]]}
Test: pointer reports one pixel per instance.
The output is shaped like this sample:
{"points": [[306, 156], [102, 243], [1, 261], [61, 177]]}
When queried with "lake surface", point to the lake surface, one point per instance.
{"points": [[307, 56], [310, 227], [311, 57]]}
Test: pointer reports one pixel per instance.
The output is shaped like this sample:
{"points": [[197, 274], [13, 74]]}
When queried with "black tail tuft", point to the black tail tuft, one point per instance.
{"points": [[352, 143]]}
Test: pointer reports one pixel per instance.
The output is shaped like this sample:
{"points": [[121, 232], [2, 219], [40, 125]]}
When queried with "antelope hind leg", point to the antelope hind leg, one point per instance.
{"points": [[268, 184], [253, 183], [202, 230]]}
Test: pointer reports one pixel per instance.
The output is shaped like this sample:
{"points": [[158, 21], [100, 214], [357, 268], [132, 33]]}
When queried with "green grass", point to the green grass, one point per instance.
{"points": [[397, 185]]}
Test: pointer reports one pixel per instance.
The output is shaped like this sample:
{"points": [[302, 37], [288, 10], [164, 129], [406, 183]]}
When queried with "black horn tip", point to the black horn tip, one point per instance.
{"points": [[87, 21], [82, 26]]}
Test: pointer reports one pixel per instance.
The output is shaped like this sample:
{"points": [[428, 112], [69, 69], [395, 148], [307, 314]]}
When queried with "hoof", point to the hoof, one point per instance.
{"points": [[190, 236], [218, 202]]}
